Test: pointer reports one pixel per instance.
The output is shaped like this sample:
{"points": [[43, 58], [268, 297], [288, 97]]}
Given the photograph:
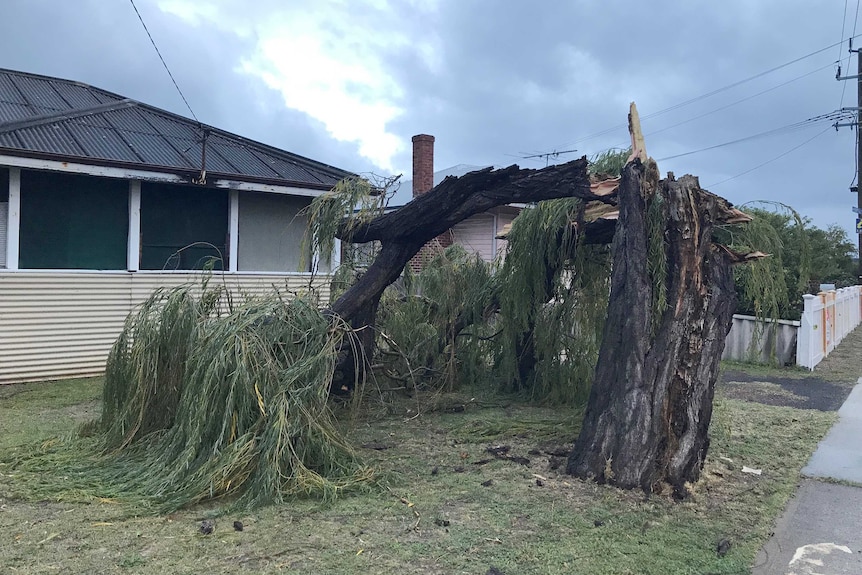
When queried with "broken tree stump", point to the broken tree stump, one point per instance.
{"points": [[651, 401]]}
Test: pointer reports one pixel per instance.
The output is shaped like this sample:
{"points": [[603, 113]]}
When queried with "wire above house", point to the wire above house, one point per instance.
{"points": [[711, 93], [165, 64]]}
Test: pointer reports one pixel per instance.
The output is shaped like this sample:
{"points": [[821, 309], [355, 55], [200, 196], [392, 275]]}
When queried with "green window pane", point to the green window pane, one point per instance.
{"points": [[73, 222], [4, 185], [183, 227]]}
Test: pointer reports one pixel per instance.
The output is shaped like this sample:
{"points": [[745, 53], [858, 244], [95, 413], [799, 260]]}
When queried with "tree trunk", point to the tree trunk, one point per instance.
{"points": [[651, 401]]}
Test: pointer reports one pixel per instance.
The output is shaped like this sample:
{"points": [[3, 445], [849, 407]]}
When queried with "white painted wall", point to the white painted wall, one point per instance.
{"points": [[476, 234], [4, 222]]}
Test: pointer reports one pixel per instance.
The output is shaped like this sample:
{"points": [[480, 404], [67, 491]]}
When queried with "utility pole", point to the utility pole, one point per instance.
{"points": [[858, 160], [858, 125]]}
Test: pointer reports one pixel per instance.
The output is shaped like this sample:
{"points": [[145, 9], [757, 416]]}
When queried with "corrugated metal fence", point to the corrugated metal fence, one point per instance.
{"points": [[775, 344], [63, 324]]}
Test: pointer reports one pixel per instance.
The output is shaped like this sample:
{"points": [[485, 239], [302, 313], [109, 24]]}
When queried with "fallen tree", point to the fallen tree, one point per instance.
{"points": [[404, 232], [201, 405], [671, 302]]}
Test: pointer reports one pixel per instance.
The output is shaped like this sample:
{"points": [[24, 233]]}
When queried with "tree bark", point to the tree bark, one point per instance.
{"points": [[650, 404]]}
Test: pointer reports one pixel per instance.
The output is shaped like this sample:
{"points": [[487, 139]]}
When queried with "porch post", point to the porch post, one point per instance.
{"points": [[133, 256], [233, 232], [13, 228]]}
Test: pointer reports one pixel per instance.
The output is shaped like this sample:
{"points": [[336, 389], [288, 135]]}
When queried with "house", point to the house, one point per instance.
{"points": [[477, 234], [103, 199]]}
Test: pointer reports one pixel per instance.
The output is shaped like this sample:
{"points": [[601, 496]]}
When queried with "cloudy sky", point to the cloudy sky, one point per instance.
{"points": [[348, 82]]}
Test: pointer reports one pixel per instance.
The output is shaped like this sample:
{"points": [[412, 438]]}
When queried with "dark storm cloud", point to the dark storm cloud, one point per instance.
{"points": [[103, 44], [530, 78]]}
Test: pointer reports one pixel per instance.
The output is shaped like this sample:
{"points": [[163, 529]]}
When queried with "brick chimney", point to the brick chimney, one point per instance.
{"points": [[423, 163]]}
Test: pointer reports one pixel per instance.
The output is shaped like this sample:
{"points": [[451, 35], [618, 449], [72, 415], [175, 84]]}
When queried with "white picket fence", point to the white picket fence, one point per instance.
{"points": [[826, 319]]}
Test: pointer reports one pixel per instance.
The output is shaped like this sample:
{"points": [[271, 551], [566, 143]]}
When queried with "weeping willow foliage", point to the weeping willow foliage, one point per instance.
{"points": [[352, 201], [761, 284], [201, 406], [610, 162], [432, 329], [553, 295], [151, 350]]}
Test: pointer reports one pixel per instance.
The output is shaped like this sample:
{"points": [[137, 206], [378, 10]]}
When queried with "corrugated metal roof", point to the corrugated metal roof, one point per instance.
{"points": [[70, 121], [50, 137], [39, 92], [12, 111]]}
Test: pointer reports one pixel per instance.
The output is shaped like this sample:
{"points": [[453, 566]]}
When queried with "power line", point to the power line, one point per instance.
{"points": [[788, 128], [856, 19], [548, 155], [778, 157], [843, 24], [709, 94], [720, 108], [147, 30]]}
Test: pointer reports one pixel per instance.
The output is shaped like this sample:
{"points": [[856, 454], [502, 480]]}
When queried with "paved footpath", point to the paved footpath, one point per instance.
{"points": [[820, 532]]}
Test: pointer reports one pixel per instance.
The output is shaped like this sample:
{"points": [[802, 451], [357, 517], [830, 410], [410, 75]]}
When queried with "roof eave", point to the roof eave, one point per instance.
{"points": [[187, 175]]}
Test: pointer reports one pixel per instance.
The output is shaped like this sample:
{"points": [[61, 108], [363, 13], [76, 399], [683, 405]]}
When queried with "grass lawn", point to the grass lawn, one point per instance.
{"points": [[445, 504]]}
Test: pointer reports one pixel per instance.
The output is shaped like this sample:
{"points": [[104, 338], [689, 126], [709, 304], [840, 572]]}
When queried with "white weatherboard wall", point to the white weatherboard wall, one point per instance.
{"points": [[63, 324], [476, 234]]}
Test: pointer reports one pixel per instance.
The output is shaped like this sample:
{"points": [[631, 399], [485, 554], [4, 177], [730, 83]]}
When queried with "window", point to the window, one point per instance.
{"points": [[73, 222], [182, 227], [271, 229]]}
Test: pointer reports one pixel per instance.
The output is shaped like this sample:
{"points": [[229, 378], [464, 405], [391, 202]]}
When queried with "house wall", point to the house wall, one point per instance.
{"points": [[271, 232], [63, 324], [4, 213], [4, 217], [62, 321], [476, 234]]}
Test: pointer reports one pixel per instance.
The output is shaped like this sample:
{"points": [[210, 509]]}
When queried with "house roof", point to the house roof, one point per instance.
{"points": [[64, 120]]}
